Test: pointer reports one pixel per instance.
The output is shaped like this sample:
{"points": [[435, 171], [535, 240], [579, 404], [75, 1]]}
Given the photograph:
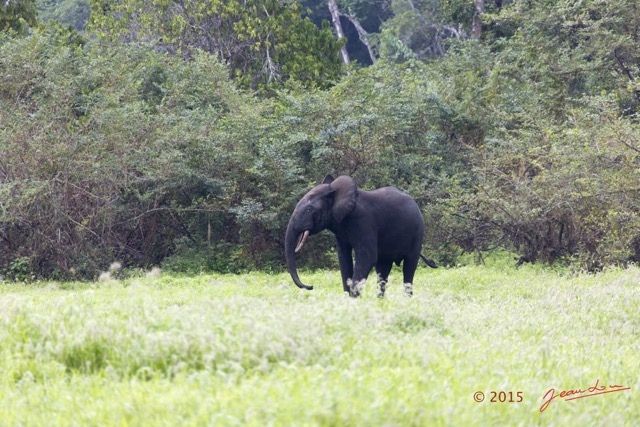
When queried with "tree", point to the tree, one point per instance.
{"points": [[17, 15], [573, 48], [265, 42], [335, 18], [476, 26], [358, 13], [114, 156], [555, 97], [74, 13], [424, 26]]}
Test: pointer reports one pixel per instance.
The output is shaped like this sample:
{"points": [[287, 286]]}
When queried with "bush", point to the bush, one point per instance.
{"points": [[94, 166], [527, 141]]}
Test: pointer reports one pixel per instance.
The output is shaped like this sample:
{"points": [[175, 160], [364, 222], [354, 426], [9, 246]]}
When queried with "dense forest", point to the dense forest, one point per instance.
{"points": [[182, 133]]}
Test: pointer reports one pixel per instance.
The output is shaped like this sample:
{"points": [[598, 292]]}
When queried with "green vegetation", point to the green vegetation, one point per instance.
{"points": [[71, 13], [254, 350], [17, 15], [181, 134], [263, 42]]}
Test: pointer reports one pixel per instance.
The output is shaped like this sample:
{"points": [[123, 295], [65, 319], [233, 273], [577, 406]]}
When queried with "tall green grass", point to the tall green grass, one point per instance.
{"points": [[255, 350]]}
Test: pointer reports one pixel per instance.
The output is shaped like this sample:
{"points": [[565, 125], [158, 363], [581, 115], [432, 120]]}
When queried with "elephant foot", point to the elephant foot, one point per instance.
{"points": [[383, 287], [356, 287], [408, 289]]}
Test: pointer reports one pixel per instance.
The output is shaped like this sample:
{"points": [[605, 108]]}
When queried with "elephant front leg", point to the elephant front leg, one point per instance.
{"points": [[356, 287], [365, 261], [345, 260]]}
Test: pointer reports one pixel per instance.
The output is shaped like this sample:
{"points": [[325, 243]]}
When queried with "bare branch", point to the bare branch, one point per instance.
{"points": [[335, 17], [363, 35]]}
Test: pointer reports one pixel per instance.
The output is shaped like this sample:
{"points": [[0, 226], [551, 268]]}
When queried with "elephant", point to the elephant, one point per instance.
{"points": [[381, 227]]}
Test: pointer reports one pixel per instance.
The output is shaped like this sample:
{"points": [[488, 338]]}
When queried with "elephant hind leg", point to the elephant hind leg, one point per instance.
{"points": [[408, 289], [409, 270], [382, 285], [383, 269]]}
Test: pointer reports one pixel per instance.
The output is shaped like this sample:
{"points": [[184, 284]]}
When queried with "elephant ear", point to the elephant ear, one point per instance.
{"points": [[346, 194], [327, 179]]}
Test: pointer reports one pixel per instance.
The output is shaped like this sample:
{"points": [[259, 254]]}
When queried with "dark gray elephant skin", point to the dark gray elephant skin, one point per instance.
{"points": [[381, 227]]}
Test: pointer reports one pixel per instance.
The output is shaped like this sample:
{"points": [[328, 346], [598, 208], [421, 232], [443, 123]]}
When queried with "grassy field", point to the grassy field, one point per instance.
{"points": [[255, 350]]}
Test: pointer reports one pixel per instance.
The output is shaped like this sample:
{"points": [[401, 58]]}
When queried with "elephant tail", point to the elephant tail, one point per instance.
{"points": [[429, 262]]}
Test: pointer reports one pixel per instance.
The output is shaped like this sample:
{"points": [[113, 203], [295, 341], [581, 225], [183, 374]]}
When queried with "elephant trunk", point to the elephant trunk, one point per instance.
{"points": [[291, 246]]}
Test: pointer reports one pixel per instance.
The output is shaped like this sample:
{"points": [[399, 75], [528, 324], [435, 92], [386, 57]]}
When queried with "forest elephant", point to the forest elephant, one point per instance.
{"points": [[379, 227]]}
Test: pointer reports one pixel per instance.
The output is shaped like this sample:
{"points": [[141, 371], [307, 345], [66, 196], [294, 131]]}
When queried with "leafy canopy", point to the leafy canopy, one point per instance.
{"points": [[264, 42], [17, 15]]}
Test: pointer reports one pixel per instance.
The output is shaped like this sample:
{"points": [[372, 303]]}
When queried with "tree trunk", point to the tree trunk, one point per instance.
{"points": [[362, 34], [476, 26], [335, 17]]}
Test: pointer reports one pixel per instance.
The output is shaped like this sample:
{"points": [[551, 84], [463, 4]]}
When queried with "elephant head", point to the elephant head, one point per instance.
{"points": [[325, 205]]}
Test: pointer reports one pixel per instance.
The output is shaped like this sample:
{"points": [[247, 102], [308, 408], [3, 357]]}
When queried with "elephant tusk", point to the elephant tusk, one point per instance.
{"points": [[302, 240]]}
